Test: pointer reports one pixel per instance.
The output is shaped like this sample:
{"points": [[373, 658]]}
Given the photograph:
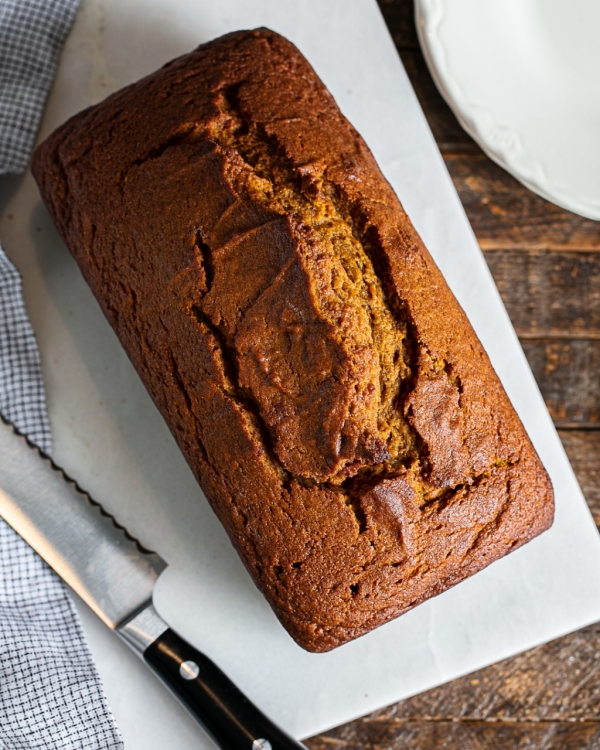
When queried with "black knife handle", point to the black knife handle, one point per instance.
{"points": [[224, 712]]}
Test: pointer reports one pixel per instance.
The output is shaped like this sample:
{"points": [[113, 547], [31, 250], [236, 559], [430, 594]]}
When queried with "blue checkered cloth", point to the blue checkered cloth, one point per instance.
{"points": [[51, 697]]}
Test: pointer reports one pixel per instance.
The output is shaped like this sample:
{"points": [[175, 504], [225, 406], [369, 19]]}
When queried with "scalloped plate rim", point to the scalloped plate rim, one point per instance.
{"points": [[466, 115]]}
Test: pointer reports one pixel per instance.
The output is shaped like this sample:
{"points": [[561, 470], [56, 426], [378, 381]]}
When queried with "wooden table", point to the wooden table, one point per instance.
{"points": [[546, 263]]}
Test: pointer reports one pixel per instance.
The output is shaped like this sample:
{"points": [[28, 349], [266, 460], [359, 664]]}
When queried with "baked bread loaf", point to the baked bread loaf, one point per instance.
{"points": [[323, 383]]}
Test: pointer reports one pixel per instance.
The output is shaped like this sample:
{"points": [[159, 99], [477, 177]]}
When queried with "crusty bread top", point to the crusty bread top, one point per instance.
{"points": [[225, 204]]}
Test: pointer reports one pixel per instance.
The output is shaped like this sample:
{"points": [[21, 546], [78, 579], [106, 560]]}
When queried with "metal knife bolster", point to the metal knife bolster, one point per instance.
{"points": [[142, 630], [84, 544]]}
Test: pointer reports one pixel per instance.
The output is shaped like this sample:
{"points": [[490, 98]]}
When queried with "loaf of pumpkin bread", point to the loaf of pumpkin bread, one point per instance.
{"points": [[323, 383]]}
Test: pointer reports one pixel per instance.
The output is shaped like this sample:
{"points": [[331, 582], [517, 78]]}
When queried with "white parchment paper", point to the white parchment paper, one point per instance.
{"points": [[110, 437]]}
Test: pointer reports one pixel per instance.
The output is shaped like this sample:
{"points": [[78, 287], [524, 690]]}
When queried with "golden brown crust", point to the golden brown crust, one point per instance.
{"points": [[320, 378]]}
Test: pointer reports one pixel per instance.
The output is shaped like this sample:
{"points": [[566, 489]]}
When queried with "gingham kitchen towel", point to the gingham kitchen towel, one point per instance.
{"points": [[50, 692]]}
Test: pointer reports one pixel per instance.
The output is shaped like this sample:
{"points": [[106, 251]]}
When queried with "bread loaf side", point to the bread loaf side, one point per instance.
{"points": [[323, 383]]}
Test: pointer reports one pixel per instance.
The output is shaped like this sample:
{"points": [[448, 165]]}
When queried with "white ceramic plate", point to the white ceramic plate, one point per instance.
{"points": [[522, 78]]}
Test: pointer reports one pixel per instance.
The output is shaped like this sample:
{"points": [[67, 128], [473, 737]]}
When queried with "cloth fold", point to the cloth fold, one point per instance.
{"points": [[51, 697]]}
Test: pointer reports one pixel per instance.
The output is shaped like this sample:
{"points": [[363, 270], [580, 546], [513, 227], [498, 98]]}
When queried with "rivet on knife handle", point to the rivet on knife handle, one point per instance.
{"points": [[225, 713]]}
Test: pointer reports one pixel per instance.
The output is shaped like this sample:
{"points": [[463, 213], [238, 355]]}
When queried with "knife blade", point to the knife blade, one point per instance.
{"points": [[115, 575]]}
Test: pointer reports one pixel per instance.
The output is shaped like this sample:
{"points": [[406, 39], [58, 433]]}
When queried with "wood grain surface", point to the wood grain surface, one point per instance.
{"points": [[546, 263]]}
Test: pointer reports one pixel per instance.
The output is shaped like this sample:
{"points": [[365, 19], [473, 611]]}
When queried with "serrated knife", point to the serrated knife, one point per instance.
{"points": [[115, 576]]}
